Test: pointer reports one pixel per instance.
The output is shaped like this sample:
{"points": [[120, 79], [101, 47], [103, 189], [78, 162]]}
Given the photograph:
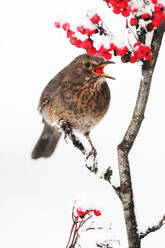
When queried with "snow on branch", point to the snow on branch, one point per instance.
{"points": [[90, 157], [153, 228]]}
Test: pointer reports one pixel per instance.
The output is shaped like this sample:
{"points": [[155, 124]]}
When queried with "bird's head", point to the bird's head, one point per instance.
{"points": [[92, 66]]}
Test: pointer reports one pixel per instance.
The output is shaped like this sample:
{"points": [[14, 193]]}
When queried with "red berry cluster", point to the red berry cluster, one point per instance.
{"points": [[120, 6], [82, 213], [130, 53], [87, 43], [153, 20], [138, 52], [142, 51], [80, 217], [159, 15]]}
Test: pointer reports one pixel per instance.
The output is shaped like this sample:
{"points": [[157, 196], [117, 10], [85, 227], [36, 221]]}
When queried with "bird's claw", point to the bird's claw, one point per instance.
{"points": [[66, 127]]}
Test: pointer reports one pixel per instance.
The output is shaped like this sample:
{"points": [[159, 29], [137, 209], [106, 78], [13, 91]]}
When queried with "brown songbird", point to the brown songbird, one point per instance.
{"points": [[78, 95]]}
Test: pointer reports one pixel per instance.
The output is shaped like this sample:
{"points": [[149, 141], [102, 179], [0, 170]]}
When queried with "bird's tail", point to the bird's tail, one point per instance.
{"points": [[46, 143]]}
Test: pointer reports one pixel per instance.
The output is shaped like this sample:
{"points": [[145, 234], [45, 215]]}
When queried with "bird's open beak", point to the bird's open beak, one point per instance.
{"points": [[99, 69]]}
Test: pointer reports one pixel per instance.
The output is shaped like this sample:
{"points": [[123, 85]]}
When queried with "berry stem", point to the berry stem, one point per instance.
{"points": [[127, 23], [131, 31], [73, 226]]}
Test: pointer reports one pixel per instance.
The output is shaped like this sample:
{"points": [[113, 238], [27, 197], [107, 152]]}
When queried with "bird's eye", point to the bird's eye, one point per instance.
{"points": [[87, 65]]}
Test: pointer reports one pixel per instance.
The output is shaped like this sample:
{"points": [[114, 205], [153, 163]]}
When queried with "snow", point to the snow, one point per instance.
{"points": [[37, 196], [85, 202]]}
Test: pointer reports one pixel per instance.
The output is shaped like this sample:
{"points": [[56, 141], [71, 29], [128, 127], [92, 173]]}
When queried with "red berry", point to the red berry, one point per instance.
{"points": [[66, 26], [146, 16], [90, 31], [159, 16], [137, 44], [69, 33], [150, 26], [142, 51], [133, 21], [116, 10], [123, 4], [57, 24], [74, 41], [81, 29], [154, 1], [95, 19], [78, 44], [159, 7], [97, 212], [133, 59], [91, 51], [80, 213], [125, 50], [125, 13], [121, 51], [149, 57], [103, 52], [112, 46], [156, 23], [87, 211], [108, 56], [88, 43]]}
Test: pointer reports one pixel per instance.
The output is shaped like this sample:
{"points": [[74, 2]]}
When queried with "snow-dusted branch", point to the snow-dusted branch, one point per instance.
{"points": [[125, 146], [153, 228], [92, 166], [68, 131], [107, 244]]}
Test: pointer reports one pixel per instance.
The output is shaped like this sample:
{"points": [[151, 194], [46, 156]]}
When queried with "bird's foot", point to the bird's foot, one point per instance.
{"points": [[68, 131], [66, 127]]}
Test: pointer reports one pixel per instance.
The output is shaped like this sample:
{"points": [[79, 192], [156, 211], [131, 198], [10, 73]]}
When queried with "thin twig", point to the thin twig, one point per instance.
{"points": [[70, 235], [92, 228], [106, 244], [153, 228], [74, 236]]}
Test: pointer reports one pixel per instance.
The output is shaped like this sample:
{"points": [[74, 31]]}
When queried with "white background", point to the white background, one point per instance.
{"points": [[36, 197]]}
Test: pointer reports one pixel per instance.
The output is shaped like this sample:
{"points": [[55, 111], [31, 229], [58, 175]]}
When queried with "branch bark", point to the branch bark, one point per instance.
{"points": [[126, 192]]}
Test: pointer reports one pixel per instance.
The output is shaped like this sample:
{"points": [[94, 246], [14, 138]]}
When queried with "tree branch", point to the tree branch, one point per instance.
{"points": [[125, 191], [153, 228], [125, 146], [68, 131]]}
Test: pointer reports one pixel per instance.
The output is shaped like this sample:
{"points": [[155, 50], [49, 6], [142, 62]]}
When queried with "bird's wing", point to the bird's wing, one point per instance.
{"points": [[52, 90], [49, 92]]}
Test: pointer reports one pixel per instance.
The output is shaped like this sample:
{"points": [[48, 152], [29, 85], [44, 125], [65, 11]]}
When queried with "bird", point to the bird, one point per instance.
{"points": [[78, 95]]}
